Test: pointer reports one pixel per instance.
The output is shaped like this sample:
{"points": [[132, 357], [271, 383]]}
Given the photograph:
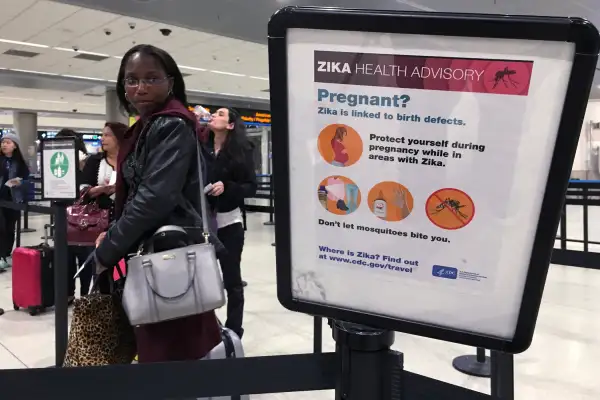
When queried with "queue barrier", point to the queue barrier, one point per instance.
{"points": [[585, 194], [264, 191]]}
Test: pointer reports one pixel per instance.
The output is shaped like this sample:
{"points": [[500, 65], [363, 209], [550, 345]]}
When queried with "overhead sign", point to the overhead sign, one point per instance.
{"points": [[421, 166], [59, 159]]}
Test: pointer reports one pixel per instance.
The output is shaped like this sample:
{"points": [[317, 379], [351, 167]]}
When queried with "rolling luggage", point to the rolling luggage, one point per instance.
{"points": [[33, 277], [230, 347]]}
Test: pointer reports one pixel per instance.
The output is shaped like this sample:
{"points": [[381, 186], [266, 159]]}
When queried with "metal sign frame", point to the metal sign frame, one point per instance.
{"points": [[70, 140], [574, 30]]}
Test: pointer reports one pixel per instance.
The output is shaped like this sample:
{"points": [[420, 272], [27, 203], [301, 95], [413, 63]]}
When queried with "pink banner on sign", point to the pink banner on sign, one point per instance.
{"points": [[503, 77]]}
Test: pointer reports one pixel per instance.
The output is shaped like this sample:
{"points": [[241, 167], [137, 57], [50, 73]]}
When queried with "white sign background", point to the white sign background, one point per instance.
{"points": [[496, 245], [65, 187]]}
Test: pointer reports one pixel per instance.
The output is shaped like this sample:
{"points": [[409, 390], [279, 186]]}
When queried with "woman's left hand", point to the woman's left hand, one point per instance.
{"points": [[217, 189]]}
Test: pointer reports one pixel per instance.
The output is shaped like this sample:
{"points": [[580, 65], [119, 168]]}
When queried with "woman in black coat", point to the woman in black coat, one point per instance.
{"points": [[232, 178], [157, 184]]}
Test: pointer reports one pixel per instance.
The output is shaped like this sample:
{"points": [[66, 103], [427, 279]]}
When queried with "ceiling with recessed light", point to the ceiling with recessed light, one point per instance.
{"points": [[75, 53], [57, 57], [248, 19]]}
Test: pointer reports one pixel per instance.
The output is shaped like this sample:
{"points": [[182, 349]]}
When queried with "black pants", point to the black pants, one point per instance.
{"points": [[77, 256], [8, 221], [232, 237]]}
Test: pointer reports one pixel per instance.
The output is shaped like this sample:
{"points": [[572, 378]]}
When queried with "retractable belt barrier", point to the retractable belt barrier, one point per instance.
{"points": [[584, 194]]}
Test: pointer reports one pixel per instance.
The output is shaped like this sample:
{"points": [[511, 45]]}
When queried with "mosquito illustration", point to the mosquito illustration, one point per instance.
{"points": [[452, 205], [504, 76]]}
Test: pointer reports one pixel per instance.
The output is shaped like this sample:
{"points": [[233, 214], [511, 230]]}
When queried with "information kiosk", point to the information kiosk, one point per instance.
{"points": [[420, 161]]}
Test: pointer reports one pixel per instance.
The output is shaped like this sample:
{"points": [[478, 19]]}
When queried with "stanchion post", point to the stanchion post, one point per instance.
{"points": [[318, 335], [271, 220], [26, 228], [369, 369], [503, 376], [18, 232], [474, 365], [61, 259]]}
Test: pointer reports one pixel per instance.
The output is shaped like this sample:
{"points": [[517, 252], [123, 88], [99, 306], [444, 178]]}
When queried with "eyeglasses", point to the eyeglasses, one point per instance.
{"points": [[133, 83]]}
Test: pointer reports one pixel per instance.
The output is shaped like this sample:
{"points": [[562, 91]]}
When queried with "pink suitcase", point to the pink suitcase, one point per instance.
{"points": [[33, 278]]}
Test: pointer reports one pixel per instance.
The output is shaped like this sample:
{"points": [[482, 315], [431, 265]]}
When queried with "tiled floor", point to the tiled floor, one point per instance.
{"points": [[559, 365]]}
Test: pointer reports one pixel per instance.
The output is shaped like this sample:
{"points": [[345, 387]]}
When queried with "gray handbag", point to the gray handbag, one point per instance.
{"points": [[175, 283]]}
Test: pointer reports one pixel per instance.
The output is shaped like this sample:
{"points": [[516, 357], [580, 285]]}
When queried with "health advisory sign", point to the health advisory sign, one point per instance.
{"points": [[60, 164], [417, 169]]}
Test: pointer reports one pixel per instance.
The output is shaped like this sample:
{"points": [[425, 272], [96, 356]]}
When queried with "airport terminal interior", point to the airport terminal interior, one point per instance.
{"points": [[58, 69]]}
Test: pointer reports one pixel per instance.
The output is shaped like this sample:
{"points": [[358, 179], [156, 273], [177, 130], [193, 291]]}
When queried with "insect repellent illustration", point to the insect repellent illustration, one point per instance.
{"points": [[380, 206], [352, 197], [322, 193]]}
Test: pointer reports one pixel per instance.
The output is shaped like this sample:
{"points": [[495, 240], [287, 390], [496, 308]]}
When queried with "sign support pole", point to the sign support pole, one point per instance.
{"points": [[369, 369], [503, 376], [61, 278]]}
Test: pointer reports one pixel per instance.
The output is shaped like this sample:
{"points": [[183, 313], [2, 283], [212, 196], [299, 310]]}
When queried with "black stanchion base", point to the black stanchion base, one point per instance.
{"points": [[1, 311], [27, 230], [470, 366], [269, 223]]}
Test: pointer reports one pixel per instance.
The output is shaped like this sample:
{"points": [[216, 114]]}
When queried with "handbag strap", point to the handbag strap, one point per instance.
{"points": [[203, 200]]}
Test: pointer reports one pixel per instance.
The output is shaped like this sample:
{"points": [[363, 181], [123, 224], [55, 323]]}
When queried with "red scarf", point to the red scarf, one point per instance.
{"points": [[173, 108]]}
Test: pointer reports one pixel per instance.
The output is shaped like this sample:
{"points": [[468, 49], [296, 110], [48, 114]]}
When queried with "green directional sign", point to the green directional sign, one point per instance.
{"points": [[59, 164]]}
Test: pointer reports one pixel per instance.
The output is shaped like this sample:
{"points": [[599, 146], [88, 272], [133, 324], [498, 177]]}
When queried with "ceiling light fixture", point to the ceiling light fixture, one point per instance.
{"points": [[259, 77], [55, 101], [15, 98], [33, 72], [91, 53], [226, 73], [192, 68], [82, 77], [43, 46]]}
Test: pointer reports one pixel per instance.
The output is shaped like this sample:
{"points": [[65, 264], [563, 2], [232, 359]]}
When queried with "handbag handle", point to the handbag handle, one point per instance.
{"points": [[148, 245], [191, 261]]}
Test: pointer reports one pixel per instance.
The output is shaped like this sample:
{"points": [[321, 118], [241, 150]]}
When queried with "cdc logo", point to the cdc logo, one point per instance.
{"points": [[440, 271]]}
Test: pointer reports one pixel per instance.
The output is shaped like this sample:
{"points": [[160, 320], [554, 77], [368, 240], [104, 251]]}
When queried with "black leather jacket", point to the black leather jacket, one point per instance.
{"points": [[161, 175]]}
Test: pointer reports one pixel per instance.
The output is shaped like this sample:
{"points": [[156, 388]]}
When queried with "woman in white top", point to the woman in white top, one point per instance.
{"points": [[232, 179], [99, 177]]}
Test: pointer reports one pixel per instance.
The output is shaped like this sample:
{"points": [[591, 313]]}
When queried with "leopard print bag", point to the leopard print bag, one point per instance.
{"points": [[100, 332]]}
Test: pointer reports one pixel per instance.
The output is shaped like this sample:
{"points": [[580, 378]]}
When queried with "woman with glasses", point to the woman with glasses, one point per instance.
{"points": [[157, 185]]}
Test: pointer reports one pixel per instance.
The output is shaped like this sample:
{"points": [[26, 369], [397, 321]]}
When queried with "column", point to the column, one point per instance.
{"points": [[25, 124], [113, 108]]}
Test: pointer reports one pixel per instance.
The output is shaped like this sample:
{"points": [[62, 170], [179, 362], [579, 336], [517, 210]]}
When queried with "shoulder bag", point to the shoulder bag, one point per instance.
{"points": [[175, 283]]}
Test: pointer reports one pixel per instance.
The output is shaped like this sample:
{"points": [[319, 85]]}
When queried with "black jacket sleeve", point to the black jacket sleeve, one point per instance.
{"points": [[243, 185], [171, 148], [89, 174]]}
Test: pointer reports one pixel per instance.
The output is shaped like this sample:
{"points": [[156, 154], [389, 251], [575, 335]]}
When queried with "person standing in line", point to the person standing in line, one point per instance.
{"points": [[158, 184], [14, 173], [232, 179], [98, 180]]}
